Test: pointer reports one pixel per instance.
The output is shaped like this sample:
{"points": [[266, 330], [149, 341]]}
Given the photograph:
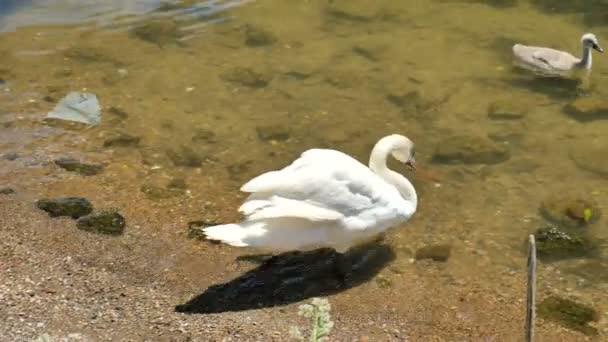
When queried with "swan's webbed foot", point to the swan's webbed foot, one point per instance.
{"points": [[344, 269]]}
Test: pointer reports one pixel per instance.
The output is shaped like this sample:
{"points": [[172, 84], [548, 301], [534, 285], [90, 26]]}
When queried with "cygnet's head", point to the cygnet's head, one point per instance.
{"points": [[589, 40], [404, 151]]}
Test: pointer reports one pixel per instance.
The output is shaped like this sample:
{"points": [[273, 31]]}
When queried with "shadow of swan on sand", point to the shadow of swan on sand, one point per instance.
{"points": [[290, 277]]}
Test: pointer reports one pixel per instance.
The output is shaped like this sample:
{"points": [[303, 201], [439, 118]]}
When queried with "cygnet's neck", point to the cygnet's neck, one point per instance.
{"points": [[585, 62], [377, 163]]}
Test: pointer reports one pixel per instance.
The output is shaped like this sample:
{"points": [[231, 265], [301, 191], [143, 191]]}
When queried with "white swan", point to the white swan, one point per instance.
{"points": [[325, 198], [551, 62]]}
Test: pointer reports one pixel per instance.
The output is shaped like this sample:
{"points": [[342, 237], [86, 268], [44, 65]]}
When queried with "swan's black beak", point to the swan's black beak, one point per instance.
{"points": [[411, 164], [598, 48]]}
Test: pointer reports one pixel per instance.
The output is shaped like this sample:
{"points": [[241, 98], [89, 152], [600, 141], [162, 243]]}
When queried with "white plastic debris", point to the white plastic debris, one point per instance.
{"points": [[79, 107]]}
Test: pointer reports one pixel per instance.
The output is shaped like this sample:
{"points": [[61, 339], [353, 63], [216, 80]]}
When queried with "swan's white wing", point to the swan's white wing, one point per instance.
{"points": [[327, 184], [544, 58]]}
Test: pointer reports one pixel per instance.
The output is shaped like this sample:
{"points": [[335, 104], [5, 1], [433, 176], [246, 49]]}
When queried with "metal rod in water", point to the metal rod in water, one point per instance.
{"points": [[531, 300]]}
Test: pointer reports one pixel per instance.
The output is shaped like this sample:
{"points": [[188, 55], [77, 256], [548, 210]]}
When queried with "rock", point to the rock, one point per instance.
{"points": [[591, 156], [553, 244], [273, 132], [116, 115], [257, 37], [203, 135], [11, 156], [465, 149], [357, 11], [507, 110], [73, 165], [236, 170], [595, 271], [106, 222], [160, 32], [569, 313], [570, 210], [73, 207], [587, 108], [121, 139], [246, 77], [439, 252], [6, 191], [177, 183], [370, 50], [186, 156], [155, 192]]}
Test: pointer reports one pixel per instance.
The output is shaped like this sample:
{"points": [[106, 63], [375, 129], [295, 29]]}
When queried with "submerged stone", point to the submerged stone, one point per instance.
{"points": [[591, 156], [439, 252], [588, 108], [247, 77], [570, 210], [506, 110], [107, 222], [154, 192], [203, 135], [6, 191], [554, 244], [466, 149], [273, 132], [186, 156], [569, 313], [74, 165], [73, 207], [256, 36], [121, 139], [160, 32]]}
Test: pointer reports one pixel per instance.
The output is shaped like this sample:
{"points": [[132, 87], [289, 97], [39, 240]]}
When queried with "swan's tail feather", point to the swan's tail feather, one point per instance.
{"points": [[233, 234]]}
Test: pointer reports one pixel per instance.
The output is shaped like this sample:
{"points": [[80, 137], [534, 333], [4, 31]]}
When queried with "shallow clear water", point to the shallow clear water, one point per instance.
{"points": [[203, 85]]}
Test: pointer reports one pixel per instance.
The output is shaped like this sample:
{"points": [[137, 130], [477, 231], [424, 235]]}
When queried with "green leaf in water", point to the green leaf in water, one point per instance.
{"points": [[587, 213]]}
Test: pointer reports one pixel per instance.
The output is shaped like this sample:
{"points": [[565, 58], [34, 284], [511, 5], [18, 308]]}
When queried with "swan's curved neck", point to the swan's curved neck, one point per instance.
{"points": [[377, 163], [585, 62]]}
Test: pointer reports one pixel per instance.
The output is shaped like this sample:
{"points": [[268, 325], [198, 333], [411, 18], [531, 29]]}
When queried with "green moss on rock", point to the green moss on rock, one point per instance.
{"points": [[73, 207], [569, 313], [106, 222]]}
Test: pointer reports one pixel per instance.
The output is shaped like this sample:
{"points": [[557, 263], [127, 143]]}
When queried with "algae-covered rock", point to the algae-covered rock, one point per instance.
{"points": [[203, 135], [74, 165], [588, 108], [554, 244], [73, 207], [273, 132], [5, 190], [466, 149], [160, 32], [256, 36], [438, 252], [570, 210], [185, 155], [247, 77], [591, 156], [155, 192], [120, 139], [507, 110], [569, 313], [106, 222]]}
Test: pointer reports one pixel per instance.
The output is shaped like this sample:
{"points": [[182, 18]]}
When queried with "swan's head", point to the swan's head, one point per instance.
{"points": [[589, 40], [403, 150]]}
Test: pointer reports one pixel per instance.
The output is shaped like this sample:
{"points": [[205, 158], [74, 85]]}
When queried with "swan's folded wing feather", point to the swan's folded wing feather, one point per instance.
{"points": [[320, 185], [277, 206]]}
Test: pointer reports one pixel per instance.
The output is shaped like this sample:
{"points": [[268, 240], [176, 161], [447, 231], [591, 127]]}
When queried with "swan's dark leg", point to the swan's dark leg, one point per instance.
{"points": [[344, 269]]}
